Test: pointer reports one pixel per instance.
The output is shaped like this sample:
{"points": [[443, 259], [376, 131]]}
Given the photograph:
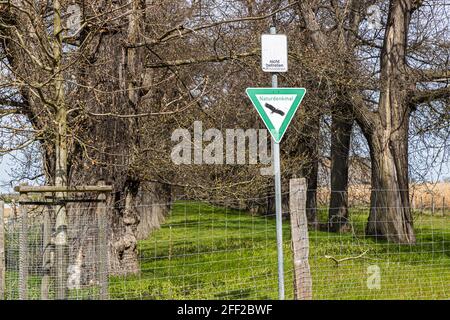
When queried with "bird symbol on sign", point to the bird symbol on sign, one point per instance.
{"points": [[274, 110]]}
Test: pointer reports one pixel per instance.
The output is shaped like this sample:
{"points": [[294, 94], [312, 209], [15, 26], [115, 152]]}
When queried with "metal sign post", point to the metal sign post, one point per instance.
{"points": [[276, 107], [278, 214]]}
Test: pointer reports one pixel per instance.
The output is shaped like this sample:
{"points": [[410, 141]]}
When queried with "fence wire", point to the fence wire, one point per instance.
{"points": [[212, 251], [31, 260]]}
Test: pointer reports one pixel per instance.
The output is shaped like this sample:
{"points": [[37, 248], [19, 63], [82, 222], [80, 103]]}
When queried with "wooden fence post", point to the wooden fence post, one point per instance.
{"points": [[102, 246], [23, 248], [2, 252], [432, 205], [421, 205], [47, 253], [300, 241], [61, 250]]}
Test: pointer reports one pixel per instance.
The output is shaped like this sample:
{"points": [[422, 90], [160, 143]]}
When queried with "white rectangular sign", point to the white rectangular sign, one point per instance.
{"points": [[274, 53]]}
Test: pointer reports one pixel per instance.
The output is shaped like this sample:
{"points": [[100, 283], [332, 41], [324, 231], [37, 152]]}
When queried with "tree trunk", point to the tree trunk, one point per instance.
{"points": [[309, 147], [341, 131], [136, 207], [311, 193], [390, 215], [154, 201]]}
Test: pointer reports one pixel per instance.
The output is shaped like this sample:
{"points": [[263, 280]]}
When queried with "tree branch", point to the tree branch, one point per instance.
{"points": [[16, 105], [430, 95], [182, 62], [433, 75], [338, 261]]}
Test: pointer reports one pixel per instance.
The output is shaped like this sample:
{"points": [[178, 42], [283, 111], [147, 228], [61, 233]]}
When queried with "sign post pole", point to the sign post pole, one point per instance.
{"points": [[278, 214], [276, 107]]}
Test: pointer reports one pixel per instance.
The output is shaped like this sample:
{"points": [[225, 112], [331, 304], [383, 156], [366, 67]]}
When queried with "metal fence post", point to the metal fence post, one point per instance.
{"points": [[102, 246], [300, 240], [23, 249], [2, 252]]}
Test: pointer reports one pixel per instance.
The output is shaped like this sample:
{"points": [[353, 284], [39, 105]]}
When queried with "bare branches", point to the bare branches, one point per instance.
{"points": [[181, 30]]}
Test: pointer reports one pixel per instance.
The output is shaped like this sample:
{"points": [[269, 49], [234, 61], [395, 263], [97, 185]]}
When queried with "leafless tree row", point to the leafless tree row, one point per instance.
{"points": [[94, 89]]}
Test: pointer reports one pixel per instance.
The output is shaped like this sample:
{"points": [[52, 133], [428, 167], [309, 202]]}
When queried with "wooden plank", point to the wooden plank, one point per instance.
{"points": [[2, 252], [60, 202], [44, 189], [300, 240]]}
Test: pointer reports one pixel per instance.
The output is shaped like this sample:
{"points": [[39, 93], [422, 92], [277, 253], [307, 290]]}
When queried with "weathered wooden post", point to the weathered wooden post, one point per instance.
{"points": [[23, 248], [61, 247], [443, 206], [432, 205], [421, 205], [47, 248], [300, 241], [102, 245], [2, 252]]}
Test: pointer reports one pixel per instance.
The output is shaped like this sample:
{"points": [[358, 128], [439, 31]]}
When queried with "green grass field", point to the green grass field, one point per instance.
{"points": [[207, 252]]}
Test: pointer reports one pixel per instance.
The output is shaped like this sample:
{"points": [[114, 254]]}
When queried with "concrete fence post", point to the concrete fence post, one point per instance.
{"points": [[300, 240]]}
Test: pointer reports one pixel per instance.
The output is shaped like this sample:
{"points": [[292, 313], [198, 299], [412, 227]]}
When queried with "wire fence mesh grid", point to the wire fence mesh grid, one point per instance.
{"points": [[214, 251], [32, 261]]}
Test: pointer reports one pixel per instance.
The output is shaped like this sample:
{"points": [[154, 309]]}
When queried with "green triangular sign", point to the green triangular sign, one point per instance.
{"points": [[277, 107]]}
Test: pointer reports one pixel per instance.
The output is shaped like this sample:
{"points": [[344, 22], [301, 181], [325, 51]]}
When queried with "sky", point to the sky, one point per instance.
{"points": [[6, 164]]}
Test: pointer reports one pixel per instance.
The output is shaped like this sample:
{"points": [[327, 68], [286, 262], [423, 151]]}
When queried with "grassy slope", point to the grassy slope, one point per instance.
{"points": [[207, 252]]}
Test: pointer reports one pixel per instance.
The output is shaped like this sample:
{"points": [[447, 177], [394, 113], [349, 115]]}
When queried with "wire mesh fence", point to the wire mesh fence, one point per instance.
{"points": [[31, 262], [217, 251], [205, 252], [352, 266]]}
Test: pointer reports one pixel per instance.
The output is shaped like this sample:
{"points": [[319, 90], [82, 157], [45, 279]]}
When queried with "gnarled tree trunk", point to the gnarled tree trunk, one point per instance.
{"points": [[390, 214], [135, 208], [341, 131]]}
